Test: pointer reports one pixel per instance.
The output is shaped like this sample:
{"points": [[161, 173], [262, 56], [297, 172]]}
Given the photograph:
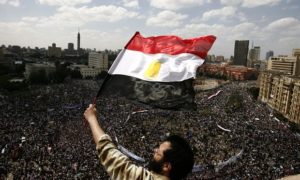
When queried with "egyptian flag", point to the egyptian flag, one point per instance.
{"points": [[157, 71]]}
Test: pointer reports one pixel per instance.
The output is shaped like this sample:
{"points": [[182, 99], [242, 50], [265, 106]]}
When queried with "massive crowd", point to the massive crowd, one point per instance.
{"points": [[43, 134]]}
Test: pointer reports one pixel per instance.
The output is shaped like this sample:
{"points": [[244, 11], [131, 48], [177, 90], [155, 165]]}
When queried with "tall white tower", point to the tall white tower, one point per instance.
{"points": [[78, 42]]}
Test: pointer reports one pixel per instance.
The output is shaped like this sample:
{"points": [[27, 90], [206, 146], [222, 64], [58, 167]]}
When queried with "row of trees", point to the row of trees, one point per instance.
{"points": [[42, 77], [215, 76], [59, 75], [234, 102], [223, 76]]}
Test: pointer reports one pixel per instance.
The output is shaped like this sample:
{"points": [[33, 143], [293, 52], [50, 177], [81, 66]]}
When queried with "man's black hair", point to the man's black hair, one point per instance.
{"points": [[180, 156]]}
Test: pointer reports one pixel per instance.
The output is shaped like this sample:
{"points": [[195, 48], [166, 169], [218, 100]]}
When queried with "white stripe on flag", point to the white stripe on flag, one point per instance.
{"points": [[156, 67]]}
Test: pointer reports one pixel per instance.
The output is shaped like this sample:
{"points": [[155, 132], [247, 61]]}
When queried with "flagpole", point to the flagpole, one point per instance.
{"points": [[107, 75], [136, 33]]}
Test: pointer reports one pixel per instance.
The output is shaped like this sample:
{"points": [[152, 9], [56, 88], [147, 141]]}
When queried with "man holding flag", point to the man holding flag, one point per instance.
{"points": [[157, 71], [173, 159]]}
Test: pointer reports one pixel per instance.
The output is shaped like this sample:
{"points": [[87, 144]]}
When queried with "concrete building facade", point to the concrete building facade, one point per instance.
{"points": [[281, 92], [296, 52], [89, 72], [97, 63], [86, 71], [287, 65], [295, 104], [98, 60]]}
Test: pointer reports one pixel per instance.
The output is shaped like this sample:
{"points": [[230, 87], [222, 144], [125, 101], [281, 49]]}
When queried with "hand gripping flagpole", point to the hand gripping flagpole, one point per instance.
{"points": [[107, 77], [98, 94]]}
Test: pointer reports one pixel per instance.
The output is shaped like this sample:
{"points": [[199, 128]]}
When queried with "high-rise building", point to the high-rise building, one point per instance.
{"points": [[97, 63], [241, 52], [269, 54], [254, 56], [254, 53]]}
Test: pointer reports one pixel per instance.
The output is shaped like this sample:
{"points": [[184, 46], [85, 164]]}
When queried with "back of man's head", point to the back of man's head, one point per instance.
{"points": [[180, 156]]}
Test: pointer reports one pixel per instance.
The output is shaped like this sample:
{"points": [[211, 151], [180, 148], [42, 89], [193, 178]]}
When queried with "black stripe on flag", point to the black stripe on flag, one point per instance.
{"points": [[165, 95]]}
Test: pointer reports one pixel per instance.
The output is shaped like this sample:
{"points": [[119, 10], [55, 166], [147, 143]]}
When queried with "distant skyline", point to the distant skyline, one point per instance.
{"points": [[271, 24]]}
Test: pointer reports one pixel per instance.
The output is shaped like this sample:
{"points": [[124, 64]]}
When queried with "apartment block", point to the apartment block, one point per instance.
{"points": [[295, 104], [282, 93], [98, 60]]}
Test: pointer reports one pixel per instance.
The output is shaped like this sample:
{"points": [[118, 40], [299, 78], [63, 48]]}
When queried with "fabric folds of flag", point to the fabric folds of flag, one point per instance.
{"points": [[157, 71]]}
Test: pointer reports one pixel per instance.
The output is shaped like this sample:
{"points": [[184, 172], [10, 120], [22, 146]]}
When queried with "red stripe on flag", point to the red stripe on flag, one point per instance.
{"points": [[172, 45]]}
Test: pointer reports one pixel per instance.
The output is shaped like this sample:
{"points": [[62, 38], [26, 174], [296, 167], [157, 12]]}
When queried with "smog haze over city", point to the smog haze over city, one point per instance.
{"points": [[270, 24]]}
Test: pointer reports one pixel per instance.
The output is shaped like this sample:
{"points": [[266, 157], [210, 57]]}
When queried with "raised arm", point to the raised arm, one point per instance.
{"points": [[90, 115], [117, 165]]}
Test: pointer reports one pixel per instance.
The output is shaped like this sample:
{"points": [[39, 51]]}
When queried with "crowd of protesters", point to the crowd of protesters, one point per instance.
{"points": [[44, 136]]}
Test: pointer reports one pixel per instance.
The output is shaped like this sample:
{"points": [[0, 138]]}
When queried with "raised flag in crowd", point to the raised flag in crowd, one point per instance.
{"points": [[158, 71]]}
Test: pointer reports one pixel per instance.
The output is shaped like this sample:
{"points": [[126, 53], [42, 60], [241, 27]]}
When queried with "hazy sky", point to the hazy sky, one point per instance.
{"points": [[270, 24]]}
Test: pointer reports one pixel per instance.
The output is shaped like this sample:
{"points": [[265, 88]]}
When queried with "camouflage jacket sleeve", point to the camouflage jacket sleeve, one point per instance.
{"points": [[119, 166]]}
